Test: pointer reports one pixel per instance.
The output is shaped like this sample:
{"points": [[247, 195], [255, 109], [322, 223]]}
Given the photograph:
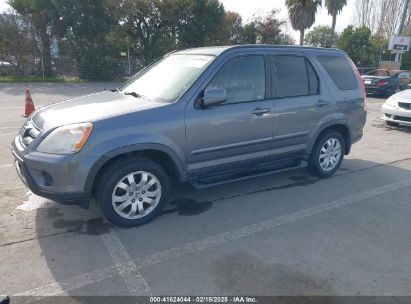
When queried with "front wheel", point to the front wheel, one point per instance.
{"points": [[328, 154], [132, 191]]}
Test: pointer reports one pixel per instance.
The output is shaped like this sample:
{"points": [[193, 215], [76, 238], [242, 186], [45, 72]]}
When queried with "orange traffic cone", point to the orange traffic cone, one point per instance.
{"points": [[29, 108]]}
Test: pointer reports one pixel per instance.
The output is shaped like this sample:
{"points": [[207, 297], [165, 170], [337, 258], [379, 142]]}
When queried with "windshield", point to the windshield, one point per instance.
{"points": [[168, 78]]}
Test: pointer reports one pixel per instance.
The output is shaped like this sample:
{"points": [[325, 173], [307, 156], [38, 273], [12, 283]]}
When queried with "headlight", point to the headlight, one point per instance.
{"points": [[392, 101], [66, 139]]}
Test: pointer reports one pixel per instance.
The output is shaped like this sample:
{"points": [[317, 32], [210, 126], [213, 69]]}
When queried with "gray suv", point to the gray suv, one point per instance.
{"points": [[206, 116]]}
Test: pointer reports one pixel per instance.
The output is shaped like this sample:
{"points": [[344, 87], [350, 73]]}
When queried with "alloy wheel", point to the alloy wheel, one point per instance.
{"points": [[330, 154], [136, 195]]}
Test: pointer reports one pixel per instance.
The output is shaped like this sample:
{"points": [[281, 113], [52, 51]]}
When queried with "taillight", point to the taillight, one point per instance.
{"points": [[358, 75], [382, 83]]}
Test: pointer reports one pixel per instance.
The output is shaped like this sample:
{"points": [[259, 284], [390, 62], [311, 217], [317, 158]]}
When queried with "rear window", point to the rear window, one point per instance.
{"points": [[340, 71]]}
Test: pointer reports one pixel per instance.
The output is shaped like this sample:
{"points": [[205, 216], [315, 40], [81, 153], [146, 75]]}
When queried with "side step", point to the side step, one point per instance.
{"points": [[227, 179]]}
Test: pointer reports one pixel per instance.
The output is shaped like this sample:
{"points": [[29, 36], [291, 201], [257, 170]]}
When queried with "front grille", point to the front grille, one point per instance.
{"points": [[406, 106], [29, 133], [402, 118]]}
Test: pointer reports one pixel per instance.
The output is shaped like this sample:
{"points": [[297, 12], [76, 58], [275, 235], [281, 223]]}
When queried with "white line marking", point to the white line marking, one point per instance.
{"points": [[6, 166], [61, 288], [125, 266], [196, 246]]}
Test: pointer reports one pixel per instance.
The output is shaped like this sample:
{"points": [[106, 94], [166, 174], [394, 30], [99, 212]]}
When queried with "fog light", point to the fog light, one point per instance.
{"points": [[48, 180]]}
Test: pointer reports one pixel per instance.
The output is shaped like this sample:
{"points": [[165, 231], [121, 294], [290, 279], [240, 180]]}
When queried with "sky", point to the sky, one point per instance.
{"points": [[247, 8]]}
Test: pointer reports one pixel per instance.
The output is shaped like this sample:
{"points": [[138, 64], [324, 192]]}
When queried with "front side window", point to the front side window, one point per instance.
{"points": [[168, 78], [295, 77], [243, 78]]}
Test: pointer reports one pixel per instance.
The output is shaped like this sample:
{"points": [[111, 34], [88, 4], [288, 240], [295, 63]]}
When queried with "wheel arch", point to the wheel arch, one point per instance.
{"points": [[158, 153], [339, 127]]}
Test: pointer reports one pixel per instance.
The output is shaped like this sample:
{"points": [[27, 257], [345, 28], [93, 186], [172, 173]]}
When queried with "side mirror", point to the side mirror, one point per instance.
{"points": [[213, 96]]}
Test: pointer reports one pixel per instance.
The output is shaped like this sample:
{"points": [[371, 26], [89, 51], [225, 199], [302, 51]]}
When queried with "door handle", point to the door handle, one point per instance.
{"points": [[322, 103], [261, 111]]}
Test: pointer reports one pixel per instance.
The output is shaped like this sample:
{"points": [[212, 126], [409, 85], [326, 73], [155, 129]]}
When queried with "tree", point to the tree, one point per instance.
{"points": [[174, 13], [39, 14], [381, 16], [230, 32], [85, 26], [250, 33], [302, 14], [334, 7], [356, 43], [16, 45], [268, 29], [321, 36], [203, 19], [143, 22]]}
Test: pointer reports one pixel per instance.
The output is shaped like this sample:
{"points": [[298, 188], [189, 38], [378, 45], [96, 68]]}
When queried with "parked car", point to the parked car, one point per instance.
{"points": [[397, 109], [383, 82], [207, 116]]}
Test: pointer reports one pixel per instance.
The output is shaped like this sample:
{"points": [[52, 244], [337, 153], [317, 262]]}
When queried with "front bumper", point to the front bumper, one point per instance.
{"points": [[396, 114], [61, 178]]}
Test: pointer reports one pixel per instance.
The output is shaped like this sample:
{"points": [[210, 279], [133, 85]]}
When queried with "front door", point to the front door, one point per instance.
{"points": [[238, 131]]}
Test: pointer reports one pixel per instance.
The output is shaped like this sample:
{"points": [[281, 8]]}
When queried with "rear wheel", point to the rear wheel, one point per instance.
{"points": [[327, 154], [132, 191]]}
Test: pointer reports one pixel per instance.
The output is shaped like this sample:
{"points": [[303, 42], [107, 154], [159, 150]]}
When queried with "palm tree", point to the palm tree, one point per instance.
{"points": [[334, 7], [302, 14]]}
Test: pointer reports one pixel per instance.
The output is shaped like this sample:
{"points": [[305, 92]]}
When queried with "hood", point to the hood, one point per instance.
{"points": [[89, 108], [403, 96]]}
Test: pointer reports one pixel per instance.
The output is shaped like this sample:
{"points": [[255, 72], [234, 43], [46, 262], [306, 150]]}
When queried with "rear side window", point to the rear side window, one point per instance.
{"points": [[340, 71], [295, 76]]}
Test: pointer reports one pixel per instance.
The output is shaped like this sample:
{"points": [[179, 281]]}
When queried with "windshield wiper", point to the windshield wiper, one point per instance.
{"points": [[136, 95]]}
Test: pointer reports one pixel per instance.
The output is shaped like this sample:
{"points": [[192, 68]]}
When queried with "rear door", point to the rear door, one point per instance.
{"points": [[301, 101]]}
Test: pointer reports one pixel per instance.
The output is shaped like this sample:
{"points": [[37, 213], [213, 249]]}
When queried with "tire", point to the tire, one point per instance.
{"points": [[395, 90], [316, 165], [392, 124], [136, 203]]}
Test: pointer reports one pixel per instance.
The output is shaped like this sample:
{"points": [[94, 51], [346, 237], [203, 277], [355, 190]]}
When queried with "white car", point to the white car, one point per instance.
{"points": [[397, 109]]}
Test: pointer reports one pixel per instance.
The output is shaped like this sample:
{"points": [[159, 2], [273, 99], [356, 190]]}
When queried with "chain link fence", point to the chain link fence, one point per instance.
{"points": [[65, 67]]}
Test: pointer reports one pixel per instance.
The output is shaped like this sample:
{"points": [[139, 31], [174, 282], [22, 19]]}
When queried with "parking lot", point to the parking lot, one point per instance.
{"points": [[286, 234]]}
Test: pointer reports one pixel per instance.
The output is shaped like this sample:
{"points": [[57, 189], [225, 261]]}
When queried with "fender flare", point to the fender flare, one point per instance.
{"points": [[325, 126], [106, 157]]}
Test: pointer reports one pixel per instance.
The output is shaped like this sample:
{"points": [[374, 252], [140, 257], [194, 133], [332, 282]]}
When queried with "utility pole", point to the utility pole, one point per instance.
{"points": [[400, 27]]}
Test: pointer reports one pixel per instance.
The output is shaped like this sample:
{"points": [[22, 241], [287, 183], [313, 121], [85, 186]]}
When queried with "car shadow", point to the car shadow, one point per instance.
{"points": [[383, 126], [72, 243]]}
